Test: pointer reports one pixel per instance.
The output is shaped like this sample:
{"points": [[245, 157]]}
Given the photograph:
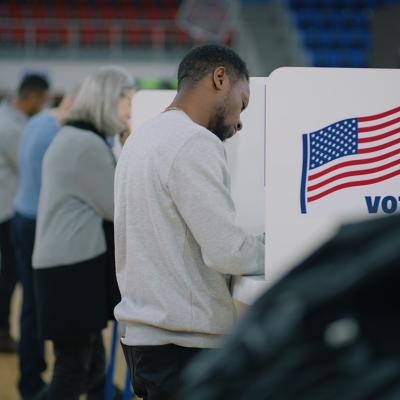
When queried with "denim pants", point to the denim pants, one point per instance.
{"points": [[8, 273], [31, 347]]}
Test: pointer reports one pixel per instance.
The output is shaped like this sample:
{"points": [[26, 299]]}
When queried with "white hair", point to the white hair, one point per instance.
{"points": [[97, 99]]}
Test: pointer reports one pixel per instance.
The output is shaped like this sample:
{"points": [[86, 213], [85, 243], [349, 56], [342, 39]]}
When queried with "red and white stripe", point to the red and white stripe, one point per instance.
{"points": [[378, 158]]}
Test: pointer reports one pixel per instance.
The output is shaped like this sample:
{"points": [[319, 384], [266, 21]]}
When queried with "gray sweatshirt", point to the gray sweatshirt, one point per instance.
{"points": [[75, 197], [12, 123], [177, 242]]}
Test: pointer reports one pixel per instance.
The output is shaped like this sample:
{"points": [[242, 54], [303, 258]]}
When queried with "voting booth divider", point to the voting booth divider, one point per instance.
{"points": [[332, 156]]}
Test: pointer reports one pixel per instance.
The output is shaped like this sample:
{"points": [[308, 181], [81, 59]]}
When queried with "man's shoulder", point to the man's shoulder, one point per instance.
{"points": [[44, 118], [39, 132], [39, 124], [176, 129], [11, 119], [166, 136], [9, 128]]}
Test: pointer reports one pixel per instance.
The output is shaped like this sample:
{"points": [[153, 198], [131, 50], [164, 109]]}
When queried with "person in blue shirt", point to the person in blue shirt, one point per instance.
{"points": [[36, 138]]}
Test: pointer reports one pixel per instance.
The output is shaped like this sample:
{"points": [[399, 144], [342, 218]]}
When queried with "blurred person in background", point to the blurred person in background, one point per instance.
{"points": [[38, 134], [177, 242], [31, 97], [73, 258], [119, 141]]}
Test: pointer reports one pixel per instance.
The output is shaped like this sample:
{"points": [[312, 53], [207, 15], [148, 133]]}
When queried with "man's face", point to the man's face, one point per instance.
{"points": [[36, 101], [226, 121]]}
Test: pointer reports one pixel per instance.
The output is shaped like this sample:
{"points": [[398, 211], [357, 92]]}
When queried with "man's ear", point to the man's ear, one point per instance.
{"points": [[219, 78]]}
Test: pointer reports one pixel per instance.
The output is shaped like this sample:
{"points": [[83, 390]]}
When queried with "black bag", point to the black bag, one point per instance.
{"points": [[329, 330]]}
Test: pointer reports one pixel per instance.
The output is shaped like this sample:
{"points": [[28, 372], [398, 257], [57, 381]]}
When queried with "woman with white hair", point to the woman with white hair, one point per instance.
{"points": [[73, 256]]}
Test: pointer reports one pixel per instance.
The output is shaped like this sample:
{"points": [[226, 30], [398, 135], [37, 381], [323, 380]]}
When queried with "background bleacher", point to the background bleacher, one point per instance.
{"points": [[67, 38], [336, 33], [103, 24]]}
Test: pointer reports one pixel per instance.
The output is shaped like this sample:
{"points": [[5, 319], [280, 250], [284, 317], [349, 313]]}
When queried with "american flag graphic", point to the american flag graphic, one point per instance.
{"points": [[348, 153]]}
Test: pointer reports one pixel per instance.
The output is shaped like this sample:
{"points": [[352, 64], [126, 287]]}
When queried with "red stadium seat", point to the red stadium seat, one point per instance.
{"points": [[106, 12], [131, 36], [4, 11], [181, 38], [87, 36], [170, 13], [39, 11], [130, 13], [136, 36], [61, 12], [85, 12], [153, 13], [15, 11], [51, 36], [95, 37], [5, 37], [18, 35], [42, 36], [63, 35]]}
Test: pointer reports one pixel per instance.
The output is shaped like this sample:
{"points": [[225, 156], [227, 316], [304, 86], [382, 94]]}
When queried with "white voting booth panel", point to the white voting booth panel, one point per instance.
{"points": [[332, 156], [246, 160]]}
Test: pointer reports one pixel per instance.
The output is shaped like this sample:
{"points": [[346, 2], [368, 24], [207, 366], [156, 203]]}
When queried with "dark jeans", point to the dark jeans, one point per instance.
{"points": [[8, 273], [31, 348], [156, 370], [79, 368]]}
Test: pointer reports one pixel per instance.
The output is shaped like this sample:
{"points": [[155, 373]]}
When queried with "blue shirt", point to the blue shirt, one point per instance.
{"points": [[36, 138]]}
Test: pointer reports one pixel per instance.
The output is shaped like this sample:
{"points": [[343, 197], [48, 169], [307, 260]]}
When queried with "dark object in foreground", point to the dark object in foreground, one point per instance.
{"points": [[328, 330], [7, 343]]}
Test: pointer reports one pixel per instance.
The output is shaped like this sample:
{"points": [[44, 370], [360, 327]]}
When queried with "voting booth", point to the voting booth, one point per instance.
{"points": [[332, 156], [319, 147]]}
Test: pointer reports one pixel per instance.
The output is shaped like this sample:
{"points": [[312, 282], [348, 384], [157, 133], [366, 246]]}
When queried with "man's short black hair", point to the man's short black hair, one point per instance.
{"points": [[204, 59], [33, 83]]}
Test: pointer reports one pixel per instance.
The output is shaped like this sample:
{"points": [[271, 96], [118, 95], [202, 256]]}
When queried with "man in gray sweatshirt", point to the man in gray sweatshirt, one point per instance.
{"points": [[177, 242]]}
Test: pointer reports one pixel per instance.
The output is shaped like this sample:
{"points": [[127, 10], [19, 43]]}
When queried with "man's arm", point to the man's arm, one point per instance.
{"points": [[197, 184], [10, 145]]}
